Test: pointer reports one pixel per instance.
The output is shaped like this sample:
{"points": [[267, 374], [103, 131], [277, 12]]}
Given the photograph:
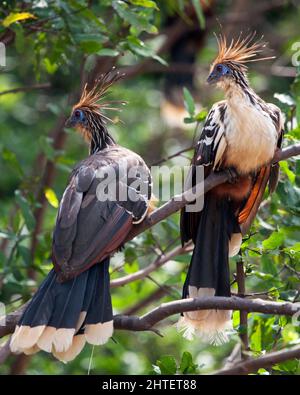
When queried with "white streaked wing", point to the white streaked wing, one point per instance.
{"points": [[212, 141]]}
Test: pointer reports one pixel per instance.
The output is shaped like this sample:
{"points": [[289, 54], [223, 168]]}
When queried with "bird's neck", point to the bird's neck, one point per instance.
{"points": [[100, 139], [236, 94]]}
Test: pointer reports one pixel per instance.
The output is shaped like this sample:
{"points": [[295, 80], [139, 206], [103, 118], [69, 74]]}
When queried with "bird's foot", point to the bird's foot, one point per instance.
{"points": [[232, 174]]}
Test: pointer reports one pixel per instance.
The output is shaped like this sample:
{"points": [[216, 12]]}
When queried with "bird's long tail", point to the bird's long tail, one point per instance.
{"points": [[61, 317], [218, 236]]}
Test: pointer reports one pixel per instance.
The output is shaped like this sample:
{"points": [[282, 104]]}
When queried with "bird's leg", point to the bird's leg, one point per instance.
{"points": [[233, 176]]}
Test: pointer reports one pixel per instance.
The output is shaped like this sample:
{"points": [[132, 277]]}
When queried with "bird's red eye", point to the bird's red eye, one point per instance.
{"points": [[77, 113], [219, 68]]}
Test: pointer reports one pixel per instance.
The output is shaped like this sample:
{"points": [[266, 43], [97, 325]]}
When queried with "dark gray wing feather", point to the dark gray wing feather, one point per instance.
{"points": [[88, 227]]}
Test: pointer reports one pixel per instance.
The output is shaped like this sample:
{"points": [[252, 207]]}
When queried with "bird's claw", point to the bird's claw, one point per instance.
{"points": [[232, 174]]}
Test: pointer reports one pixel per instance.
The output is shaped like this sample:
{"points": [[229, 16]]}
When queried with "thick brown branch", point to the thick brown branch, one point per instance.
{"points": [[179, 201], [148, 320], [266, 361]]}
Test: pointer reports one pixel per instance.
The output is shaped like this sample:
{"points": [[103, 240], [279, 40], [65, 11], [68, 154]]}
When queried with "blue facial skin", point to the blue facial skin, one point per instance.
{"points": [[76, 118], [220, 70]]}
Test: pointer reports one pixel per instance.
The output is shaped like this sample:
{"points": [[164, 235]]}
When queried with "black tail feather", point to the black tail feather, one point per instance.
{"points": [[100, 309], [208, 273], [209, 266], [61, 307]]}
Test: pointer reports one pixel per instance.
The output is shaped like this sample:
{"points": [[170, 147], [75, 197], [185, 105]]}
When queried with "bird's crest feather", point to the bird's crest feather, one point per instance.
{"points": [[91, 98], [240, 51]]}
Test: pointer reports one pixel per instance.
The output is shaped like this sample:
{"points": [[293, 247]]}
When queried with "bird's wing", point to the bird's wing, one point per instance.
{"points": [[107, 193], [208, 153], [212, 143]]}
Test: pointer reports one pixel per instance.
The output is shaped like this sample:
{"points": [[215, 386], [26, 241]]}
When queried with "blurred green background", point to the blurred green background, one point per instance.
{"points": [[163, 46]]}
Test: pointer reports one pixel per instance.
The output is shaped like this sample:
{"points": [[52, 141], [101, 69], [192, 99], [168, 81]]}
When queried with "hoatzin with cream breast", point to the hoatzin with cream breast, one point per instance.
{"points": [[241, 135]]}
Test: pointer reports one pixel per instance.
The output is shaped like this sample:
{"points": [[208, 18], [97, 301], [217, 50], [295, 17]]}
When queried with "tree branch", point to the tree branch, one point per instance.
{"points": [[147, 321], [266, 361], [26, 88], [179, 201]]}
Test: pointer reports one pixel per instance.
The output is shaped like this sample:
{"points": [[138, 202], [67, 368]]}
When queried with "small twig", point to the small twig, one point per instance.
{"points": [[4, 352], [26, 88], [178, 153], [160, 261], [141, 304], [287, 266], [240, 278]]}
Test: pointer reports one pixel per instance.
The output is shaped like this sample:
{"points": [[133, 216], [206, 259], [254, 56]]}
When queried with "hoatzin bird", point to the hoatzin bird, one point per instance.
{"points": [[73, 304], [240, 136]]}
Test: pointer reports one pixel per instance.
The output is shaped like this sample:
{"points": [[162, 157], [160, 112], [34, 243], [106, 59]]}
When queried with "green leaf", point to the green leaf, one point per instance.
{"points": [[45, 144], [188, 120], [130, 254], [274, 241], [26, 210], [19, 40], [167, 364], [289, 333], [294, 249], [11, 158], [90, 46], [108, 52], [25, 253], [50, 67], [140, 48], [199, 11], [285, 168], [15, 17], [201, 116], [90, 43], [186, 365], [137, 20], [189, 102], [51, 197], [8, 235], [287, 366], [256, 337], [263, 372], [144, 3], [130, 268]]}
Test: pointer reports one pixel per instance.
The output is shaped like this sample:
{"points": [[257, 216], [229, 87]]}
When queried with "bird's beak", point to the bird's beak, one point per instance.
{"points": [[212, 78], [69, 123]]}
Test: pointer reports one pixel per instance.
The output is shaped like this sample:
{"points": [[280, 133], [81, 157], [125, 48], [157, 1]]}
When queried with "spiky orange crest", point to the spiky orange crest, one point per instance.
{"points": [[91, 98], [240, 51]]}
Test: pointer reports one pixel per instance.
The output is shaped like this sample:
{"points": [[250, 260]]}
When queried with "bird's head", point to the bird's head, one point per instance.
{"points": [[87, 115], [78, 119], [229, 67], [219, 72]]}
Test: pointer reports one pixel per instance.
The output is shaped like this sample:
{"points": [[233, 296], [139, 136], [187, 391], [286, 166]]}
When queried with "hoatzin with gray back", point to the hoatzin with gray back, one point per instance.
{"points": [[240, 135], [108, 192]]}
